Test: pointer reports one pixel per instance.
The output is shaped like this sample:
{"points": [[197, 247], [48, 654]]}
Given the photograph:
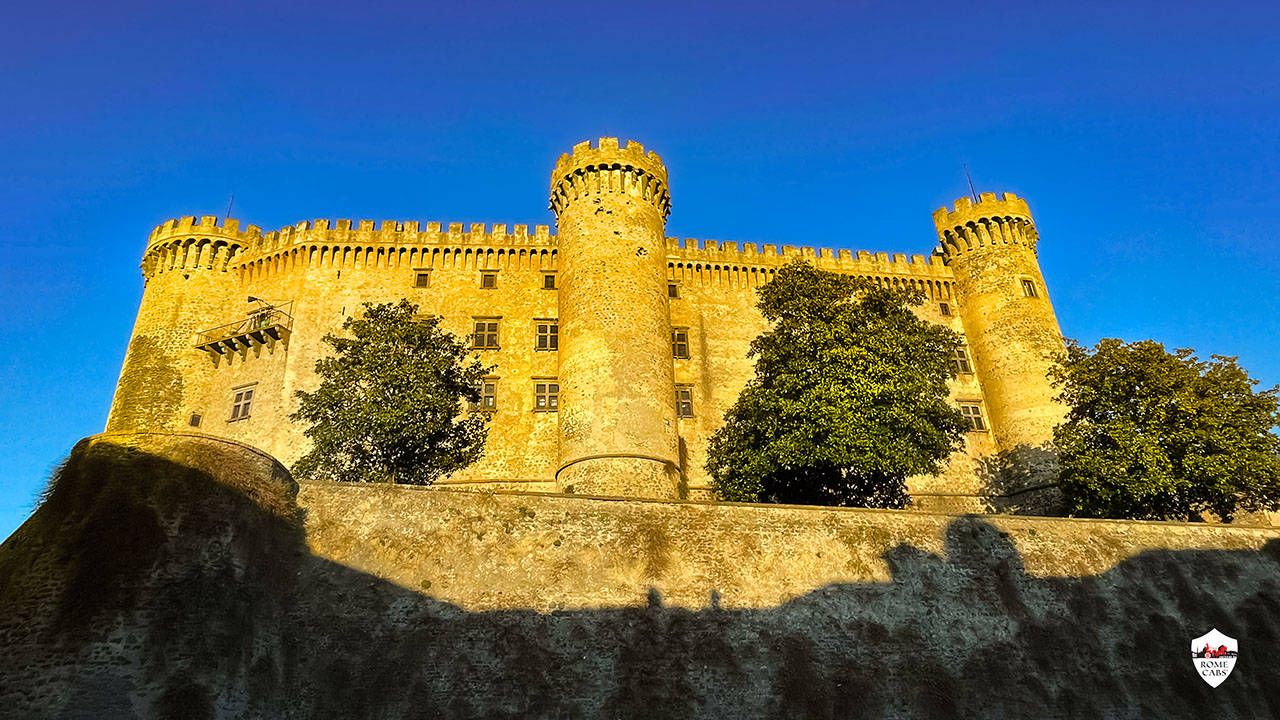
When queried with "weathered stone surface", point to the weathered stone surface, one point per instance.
{"points": [[173, 576], [618, 430], [610, 296], [499, 550], [1012, 330]]}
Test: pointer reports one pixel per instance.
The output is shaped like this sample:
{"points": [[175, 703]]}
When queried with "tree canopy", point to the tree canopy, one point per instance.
{"points": [[1158, 435], [849, 396], [389, 406]]}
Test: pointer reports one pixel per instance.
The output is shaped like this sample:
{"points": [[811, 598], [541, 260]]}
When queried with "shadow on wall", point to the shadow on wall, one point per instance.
{"points": [[145, 588], [1022, 481]]}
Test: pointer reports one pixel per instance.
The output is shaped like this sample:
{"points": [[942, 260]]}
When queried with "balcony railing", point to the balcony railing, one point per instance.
{"points": [[265, 326]]}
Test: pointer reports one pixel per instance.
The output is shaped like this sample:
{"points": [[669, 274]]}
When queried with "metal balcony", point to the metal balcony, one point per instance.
{"points": [[264, 326]]}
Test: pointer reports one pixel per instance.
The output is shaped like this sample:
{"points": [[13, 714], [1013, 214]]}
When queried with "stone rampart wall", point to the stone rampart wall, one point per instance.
{"points": [[487, 551], [173, 575], [325, 269]]}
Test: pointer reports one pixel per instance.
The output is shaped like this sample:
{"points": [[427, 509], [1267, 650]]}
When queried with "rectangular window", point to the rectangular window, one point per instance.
{"points": [[945, 309], [486, 334], [679, 342], [684, 402], [548, 335], [673, 290], [549, 282], [195, 419], [422, 279], [241, 401], [488, 395], [546, 395], [973, 412], [488, 280], [1029, 288], [961, 361]]}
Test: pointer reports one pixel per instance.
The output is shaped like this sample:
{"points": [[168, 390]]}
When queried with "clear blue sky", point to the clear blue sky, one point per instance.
{"points": [[1145, 135]]}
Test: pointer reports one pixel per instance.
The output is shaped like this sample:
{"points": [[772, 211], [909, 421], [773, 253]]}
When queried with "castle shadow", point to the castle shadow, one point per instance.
{"points": [[144, 588], [1021, 480]]}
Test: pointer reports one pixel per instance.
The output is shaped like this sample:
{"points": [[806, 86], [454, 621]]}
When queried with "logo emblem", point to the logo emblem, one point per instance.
{"points": [[1214, 655]]}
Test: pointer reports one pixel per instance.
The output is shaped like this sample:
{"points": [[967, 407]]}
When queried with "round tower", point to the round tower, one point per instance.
{"points": [[617, 411], [188, 289], [1011, 329]]}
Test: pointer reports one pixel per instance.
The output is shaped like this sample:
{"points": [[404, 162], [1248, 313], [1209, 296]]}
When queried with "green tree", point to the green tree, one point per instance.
{"points": [[389, 406], [849, 397], [1158, 435]]}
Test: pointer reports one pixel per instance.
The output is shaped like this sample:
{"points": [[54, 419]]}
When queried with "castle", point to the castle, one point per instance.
{"points": [[178, 536], [617, 349]]}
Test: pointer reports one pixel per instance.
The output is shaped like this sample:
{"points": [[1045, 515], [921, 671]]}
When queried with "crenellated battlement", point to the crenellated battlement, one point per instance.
{"points": [[166, 246], [607, 168], [712, 251], [204, 226], [725, 265], [986, 223], [967, 211], [394, 232], [607, 151], [173, 240], [191, 243]]}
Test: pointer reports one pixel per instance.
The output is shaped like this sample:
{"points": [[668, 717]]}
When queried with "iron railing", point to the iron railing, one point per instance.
{"points": [[263, 326]]}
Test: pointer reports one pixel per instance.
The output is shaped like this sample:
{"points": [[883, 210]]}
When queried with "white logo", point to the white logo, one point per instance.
{"points": [[1214, 654]]}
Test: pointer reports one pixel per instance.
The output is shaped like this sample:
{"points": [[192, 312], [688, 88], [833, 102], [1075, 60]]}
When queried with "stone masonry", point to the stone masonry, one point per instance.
{"points": [[177, 575], [617, 315]]}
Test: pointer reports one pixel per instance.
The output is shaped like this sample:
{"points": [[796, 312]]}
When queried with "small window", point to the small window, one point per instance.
{"points": [[195, 419], [680, 343], [973, 412], [241, 402], [422, 279], [945, 309], [548, 335], [684, 402], [1029, 288], [961, 361], [486, 335], [549, 282], [673, 290], [488, 395], [488, 280], [546, 396]]}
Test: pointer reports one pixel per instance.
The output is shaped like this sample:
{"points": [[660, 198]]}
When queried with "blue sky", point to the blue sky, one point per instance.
{"points": [[1145, 136]]}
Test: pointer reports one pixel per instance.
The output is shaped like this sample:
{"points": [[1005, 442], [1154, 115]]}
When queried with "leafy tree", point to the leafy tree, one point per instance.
{"points": [[1158, 435], [389, 405], [849, 397]]}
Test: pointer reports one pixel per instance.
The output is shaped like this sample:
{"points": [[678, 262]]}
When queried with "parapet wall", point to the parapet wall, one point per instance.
{"points": [[987, 206], [325, 240], [490, 551], [986, 223], [167, 576], [606, 151], [606, 168], [345, 232]]}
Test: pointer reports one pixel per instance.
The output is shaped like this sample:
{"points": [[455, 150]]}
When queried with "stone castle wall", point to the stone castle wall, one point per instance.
{"points": [[175, 575], [618, 428], [199, 275], [1011, 327], [493, 551]]}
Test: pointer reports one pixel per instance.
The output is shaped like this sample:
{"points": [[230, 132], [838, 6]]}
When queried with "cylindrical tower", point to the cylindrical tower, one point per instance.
{"points": [[1011, 330], [617, 408], [188, 289]]}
